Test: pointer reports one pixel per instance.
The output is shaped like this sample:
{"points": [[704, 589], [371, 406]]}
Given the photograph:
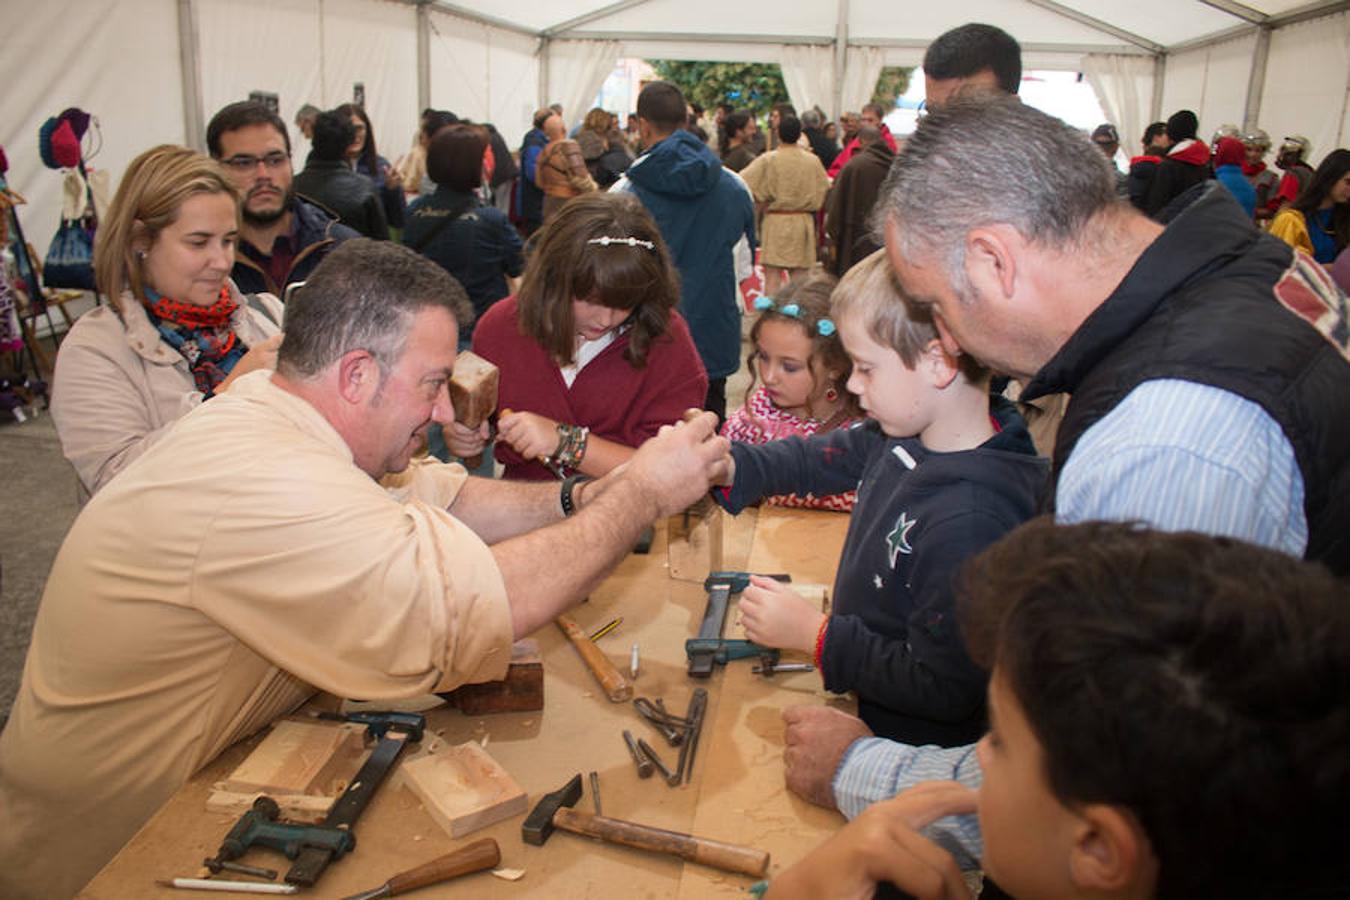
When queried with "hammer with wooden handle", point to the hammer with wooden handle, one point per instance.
{"points": [[555, 811], [473, 393], [617, 687], [475, 857]]}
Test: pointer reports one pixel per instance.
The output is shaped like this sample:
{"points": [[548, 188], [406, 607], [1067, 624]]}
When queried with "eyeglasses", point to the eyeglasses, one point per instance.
{"points": [[246, 163]]}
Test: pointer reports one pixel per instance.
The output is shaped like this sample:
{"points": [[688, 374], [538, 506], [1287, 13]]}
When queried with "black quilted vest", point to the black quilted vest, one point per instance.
{"points": [[1217, 302]]}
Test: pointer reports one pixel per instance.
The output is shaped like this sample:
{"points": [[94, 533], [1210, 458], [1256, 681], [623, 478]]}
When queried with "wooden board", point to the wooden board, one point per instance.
{"points": [[690, 550], [522, 690], [305, 758], [462, 787]]}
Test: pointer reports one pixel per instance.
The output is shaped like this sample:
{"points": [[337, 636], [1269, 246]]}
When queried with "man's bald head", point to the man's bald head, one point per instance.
{"points": [[554, 128]]}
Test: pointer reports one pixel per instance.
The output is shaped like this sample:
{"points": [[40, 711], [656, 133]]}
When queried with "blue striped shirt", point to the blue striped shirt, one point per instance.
{"points": [[1175, 455]]}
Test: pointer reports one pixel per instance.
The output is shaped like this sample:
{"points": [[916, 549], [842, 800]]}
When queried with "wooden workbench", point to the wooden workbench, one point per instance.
{"points": [[737, 793]]}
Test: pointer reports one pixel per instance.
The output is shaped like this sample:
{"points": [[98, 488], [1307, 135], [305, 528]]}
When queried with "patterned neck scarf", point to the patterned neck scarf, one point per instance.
{"points": [[202, 334]]}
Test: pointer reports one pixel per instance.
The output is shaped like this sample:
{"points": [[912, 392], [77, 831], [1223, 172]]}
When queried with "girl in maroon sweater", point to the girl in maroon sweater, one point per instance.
{"points": [[594, 358]]}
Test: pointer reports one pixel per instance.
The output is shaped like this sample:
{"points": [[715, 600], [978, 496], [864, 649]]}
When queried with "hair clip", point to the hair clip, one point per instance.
{"points": [[630, 241], [824, 327]]}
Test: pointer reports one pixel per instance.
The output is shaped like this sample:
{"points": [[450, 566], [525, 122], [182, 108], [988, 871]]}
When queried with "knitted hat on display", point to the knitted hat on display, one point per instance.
{"points": [[59, 138]]}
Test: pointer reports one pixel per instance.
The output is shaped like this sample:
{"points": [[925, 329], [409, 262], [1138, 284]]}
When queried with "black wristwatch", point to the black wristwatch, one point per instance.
{"points": [[569, 484]]}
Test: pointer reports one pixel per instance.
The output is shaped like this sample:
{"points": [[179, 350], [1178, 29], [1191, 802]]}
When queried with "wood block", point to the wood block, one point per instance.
{"points": [[473, 388], [522, 690], [462, 787], [294, 807], [301, 758]]}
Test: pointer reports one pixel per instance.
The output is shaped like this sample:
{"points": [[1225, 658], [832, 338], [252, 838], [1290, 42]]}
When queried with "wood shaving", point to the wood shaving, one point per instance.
{"points": [[509, 874]]}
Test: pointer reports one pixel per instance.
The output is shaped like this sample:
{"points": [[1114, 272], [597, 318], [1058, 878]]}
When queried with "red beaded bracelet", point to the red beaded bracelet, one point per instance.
{"points": [[820, 640]]}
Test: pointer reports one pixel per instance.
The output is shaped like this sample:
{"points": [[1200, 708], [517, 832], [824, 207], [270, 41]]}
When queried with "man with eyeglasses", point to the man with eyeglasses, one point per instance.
{"points": [[282, 236]]}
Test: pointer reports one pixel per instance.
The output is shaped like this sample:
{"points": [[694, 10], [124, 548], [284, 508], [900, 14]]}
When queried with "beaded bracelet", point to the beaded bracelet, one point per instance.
{"points": [[571, 445]]}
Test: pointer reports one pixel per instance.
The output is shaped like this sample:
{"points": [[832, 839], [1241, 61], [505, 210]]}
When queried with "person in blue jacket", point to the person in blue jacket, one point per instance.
{"points": [[702, 210], [1229, 155]]}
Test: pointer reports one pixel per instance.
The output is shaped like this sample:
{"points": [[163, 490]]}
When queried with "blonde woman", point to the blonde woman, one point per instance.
{"points": [[175, 332]]}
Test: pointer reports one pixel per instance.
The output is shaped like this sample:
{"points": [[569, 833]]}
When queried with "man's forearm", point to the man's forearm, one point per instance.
{"points": [[498, 510], [548, 570]]}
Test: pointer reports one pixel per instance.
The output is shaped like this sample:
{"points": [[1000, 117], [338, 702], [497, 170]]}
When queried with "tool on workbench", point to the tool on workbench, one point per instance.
{"points": [[671, 727], [770, 669], [709, 648], [555, 811], [607, 628], [259, 828], [480, 855], [219, 865], [617, 688], [473, 393], [698, 705], [633, 663], [393, 731], [595, 791], [236, 887], [644, 765], [671, 778]]}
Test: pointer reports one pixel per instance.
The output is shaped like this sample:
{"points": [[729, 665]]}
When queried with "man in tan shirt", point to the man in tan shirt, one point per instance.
{"points": [[279, 541], [790, 185]]}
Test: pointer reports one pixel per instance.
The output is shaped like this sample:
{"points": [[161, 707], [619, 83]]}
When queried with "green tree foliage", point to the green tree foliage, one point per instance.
{"points": [[893, 83], [756, 86], [752, 86]]}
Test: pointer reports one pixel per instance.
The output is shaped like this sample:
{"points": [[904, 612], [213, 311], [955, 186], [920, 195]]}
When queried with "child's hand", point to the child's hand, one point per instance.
{"points": [[774, 615], [529, 434], [883, 844]]}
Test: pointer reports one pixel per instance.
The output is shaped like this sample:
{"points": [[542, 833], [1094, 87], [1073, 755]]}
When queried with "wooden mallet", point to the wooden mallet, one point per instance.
{"points": [[473, 393], [555, 811], [617, 687]]}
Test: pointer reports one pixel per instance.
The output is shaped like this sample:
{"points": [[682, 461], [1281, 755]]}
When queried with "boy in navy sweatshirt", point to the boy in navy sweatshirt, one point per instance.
{"points": [[942, 470]]}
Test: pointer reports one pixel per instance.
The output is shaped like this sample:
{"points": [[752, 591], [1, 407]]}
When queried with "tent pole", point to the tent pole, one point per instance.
{"points": [[423, 57], [544, 46], [1256, 81], [840, 60], [1159, 75], [193, 128]]}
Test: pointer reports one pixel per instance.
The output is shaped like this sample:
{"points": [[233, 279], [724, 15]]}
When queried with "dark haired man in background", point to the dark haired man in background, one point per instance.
{"points": [[282, 236]]}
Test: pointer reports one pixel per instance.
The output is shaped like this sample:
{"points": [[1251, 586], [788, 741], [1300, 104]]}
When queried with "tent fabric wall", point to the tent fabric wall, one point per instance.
{"points": [[808, 74], [1124, 87], [483, 73], [576, 70], [1211, 82], [327, 46], [862, 68], [1304, 58], [121, 64]]}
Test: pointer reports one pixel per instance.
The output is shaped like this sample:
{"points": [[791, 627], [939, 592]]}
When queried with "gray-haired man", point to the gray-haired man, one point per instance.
{"points": [[1208, 365]]}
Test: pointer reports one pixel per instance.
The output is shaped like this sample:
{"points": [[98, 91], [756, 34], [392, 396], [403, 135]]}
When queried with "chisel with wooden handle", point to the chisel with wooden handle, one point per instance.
{"points": [[617, 688], [476, 857]]}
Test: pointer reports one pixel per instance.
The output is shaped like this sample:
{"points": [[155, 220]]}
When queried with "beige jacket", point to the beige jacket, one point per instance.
{"points": [[118, 387], [242, 562]]}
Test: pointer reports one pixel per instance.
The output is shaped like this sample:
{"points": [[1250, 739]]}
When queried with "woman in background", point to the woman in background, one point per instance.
{"points": [[366, 160], [175, 332]]}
